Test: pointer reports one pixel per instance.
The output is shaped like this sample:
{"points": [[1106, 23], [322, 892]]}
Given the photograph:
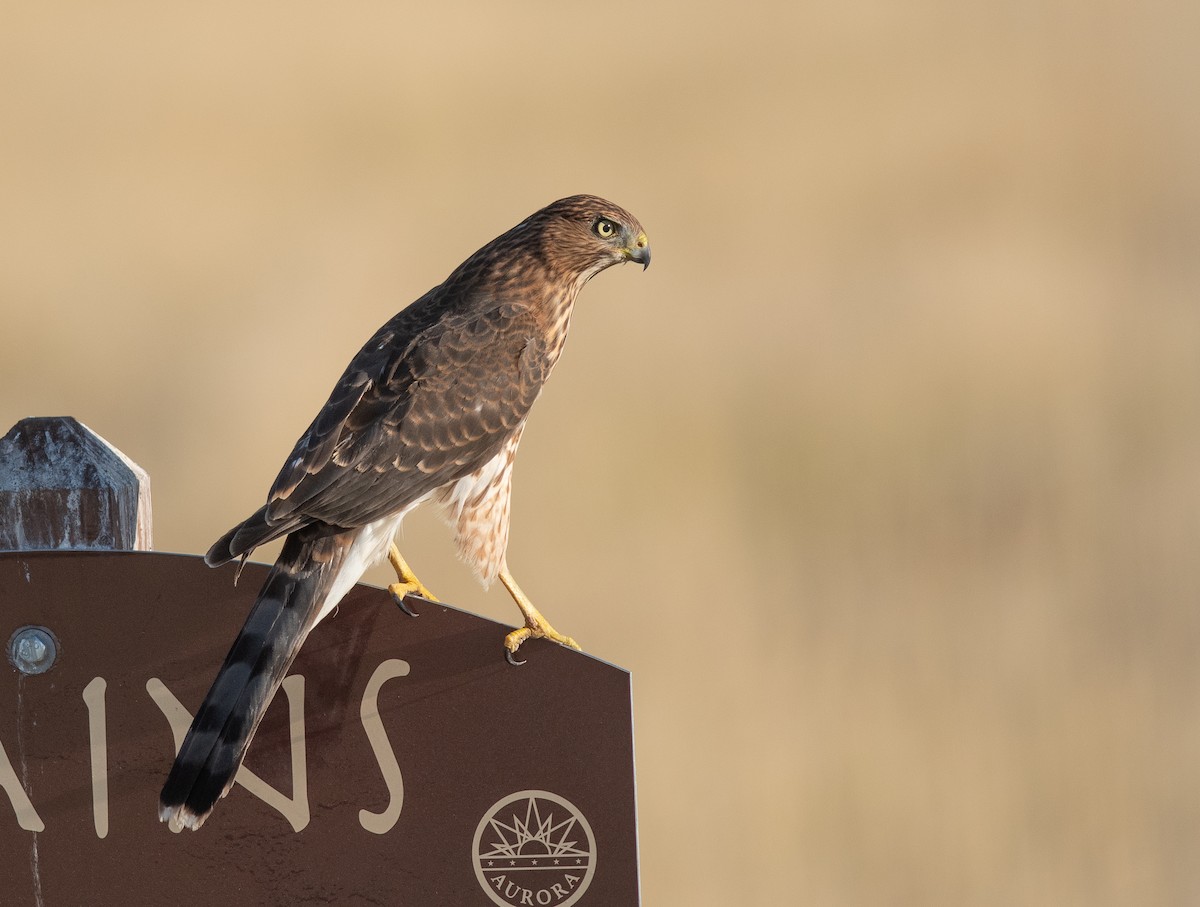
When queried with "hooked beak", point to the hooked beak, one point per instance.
{"points": [[640, 251]]}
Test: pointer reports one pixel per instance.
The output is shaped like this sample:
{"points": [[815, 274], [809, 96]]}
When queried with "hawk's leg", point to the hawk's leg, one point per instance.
{"points": [[535, 625], [408, 582]]}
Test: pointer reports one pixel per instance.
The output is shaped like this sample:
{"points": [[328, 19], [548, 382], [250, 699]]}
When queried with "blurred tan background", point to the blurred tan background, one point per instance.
{"points": [[884, 481]]}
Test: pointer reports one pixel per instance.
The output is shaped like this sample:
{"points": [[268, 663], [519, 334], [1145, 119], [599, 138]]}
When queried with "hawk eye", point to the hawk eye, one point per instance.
{"points": [[604, 228]]}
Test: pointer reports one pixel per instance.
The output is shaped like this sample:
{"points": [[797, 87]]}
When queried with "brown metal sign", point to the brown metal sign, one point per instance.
{"points": [[403, 761]]}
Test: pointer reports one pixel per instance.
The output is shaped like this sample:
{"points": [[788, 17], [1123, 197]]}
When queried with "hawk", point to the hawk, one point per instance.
{"points": [[431, 409]]}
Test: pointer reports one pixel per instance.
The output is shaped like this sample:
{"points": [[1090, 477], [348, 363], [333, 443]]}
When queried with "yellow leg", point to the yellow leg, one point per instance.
{"points": [[408, 582], [535, 625]]}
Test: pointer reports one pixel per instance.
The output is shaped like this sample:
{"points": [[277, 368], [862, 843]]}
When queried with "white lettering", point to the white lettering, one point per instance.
{"points": [[295, 808], [93, 698], [27, 816], [382, 822]]}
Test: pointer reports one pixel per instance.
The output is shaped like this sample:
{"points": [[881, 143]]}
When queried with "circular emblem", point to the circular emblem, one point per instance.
{"points": [[534, 847]]}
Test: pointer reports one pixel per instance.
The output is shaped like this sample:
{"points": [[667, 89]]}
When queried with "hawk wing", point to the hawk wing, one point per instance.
{"points": [[430, 398]]}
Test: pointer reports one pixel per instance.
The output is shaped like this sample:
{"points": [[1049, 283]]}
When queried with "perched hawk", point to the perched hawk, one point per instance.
{"points": [[431, 409]]}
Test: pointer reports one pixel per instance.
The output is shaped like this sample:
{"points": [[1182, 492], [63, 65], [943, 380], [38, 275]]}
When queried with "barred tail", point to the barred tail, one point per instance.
{"points": [[286, 610]]}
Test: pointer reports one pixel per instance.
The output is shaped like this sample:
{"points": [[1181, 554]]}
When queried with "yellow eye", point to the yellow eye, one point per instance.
{"points": [[604, 228]]}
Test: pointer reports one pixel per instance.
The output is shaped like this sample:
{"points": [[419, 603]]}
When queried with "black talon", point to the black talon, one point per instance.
{"points": [[402, 604], [512, 661]]}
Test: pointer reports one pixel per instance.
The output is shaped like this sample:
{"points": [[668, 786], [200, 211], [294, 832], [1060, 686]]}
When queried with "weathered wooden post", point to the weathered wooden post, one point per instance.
{"points": [[63, 486], [404, 762]]}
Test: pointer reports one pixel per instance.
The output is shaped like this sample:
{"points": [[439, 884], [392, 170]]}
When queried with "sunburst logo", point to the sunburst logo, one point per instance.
{"points": [[534, 847]]}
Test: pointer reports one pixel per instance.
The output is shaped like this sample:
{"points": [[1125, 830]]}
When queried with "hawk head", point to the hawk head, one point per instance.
{"points": [[586, 234]]}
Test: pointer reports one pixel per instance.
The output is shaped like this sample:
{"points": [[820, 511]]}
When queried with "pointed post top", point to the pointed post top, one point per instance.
{"points": [[64, 486]]}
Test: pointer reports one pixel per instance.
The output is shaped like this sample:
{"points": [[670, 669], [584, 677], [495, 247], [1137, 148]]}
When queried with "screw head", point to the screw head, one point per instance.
{"points": [[32, 650]]}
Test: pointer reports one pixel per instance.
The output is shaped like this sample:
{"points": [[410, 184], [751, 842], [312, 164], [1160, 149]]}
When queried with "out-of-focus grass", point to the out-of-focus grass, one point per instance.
{"points": [[884, 480]]}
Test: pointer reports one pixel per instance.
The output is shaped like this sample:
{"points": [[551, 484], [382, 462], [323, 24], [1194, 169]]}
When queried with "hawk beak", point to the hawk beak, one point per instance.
{"points": [[640, 251]]}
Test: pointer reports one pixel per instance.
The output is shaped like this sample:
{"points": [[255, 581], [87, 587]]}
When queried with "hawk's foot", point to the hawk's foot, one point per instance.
{"points": [[536, 626], [401, 591], [540, 629], [407, 584]]}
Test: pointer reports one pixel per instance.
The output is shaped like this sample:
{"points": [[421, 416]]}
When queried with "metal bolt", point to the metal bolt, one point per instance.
{"points": [[32, 650]]}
